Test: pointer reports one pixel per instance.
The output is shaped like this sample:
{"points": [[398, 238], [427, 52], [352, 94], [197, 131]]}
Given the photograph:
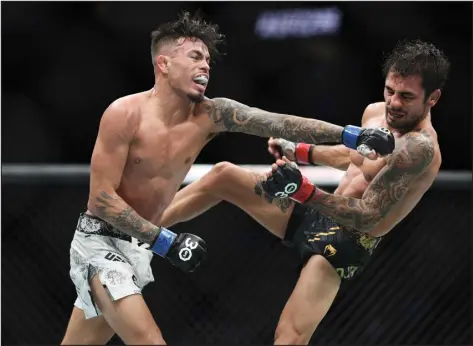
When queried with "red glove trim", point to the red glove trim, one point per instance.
{"points": [[302, 153], [305, 192]]}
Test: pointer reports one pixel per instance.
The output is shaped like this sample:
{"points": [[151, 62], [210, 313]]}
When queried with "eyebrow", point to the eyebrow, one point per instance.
{"points": [[402, 92], [195, 51]]}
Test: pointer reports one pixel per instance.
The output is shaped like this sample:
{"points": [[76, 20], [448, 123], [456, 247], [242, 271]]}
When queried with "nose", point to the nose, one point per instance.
{"points": [[395, 101], [205, 66]]}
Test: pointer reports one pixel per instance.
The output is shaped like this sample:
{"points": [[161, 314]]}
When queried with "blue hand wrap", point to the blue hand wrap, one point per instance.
{"points": [[350, 136], [163, 243]]}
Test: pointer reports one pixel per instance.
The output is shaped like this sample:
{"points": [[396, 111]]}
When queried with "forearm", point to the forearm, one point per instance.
{"points": [[336, 156], [233, 116], [350, 212], [113, 209]]}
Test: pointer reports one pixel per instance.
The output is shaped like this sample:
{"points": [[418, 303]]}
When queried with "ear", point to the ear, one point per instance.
{"points": [[162, 62], [434, 97]]}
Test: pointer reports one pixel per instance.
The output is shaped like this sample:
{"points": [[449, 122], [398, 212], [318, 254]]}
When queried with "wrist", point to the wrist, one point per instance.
{"points": [[305, 192], [303, 153], [350, 136], [163, 242]]}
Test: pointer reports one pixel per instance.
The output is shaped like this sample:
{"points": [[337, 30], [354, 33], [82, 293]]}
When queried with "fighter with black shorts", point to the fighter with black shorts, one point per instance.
{"points": [[335, 233]]}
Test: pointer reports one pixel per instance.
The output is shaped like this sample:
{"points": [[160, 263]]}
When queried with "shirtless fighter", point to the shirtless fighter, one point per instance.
{"points": [[335, 234], [146, 144]]}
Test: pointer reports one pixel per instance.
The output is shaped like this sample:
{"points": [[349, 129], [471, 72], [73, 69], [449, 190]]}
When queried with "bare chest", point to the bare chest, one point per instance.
{"points": [[165, 152], [365, 167]]}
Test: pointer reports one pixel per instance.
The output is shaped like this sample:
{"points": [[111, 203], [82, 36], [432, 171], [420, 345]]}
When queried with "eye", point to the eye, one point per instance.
{"points": [[389, 91]]}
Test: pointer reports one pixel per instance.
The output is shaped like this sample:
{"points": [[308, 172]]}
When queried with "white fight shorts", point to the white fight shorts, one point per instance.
{"points": [[122, 263]]}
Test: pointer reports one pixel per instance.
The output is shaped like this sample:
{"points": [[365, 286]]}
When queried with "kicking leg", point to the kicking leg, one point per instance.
{"points": [[310, 301], [233, 184]]}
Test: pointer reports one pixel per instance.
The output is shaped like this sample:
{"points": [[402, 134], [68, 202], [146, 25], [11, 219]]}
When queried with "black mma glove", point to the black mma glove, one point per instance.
{"points": [[186, 251], [287, 181], [379, 139]]}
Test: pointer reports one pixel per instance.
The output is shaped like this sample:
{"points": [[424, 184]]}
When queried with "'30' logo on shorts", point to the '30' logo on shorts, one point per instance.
{"points": [[288, 189]]}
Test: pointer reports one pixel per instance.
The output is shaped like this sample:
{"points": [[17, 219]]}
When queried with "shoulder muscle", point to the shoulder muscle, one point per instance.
{"points": [[413, 154], [371, 111]]}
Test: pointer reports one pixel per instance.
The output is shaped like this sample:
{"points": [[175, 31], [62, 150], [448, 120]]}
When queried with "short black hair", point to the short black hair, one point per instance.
{"points": [[420, 58], [190, 27]]}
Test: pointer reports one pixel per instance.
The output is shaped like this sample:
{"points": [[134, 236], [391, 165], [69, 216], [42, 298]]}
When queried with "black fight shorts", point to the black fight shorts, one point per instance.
{"points": [[312, 234]]}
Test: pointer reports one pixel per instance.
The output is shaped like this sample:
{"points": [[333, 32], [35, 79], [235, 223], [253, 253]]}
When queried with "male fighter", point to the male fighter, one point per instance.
{"points": [[146, 144], [335, 234]]}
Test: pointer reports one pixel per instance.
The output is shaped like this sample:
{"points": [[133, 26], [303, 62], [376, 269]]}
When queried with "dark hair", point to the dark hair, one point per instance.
{"points": [[191, 27], [419, 58]]}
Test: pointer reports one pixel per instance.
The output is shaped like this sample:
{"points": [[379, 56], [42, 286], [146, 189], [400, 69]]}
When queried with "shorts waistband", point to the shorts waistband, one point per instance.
{"points": [[93, 225]]}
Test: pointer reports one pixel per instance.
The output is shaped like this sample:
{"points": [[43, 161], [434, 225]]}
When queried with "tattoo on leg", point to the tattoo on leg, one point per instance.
{"points": [[281, 203]]}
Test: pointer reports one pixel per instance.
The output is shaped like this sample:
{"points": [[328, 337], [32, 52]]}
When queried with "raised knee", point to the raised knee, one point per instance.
{"points": [[288, 334], [221, 172], [223, 167]]}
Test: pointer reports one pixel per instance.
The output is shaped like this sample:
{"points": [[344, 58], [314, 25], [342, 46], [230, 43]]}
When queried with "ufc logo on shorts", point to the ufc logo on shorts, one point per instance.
{"points": [[288, 189], [185, 253], [114, 258]]}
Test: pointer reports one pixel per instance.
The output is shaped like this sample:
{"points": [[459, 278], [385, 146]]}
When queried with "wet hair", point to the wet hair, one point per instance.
{"points": [[189, 27], [420, 58]]}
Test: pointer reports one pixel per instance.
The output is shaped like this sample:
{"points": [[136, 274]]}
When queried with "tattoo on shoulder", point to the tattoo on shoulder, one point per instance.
{"points": [[409, 160], [281, 203], [414, 154]]}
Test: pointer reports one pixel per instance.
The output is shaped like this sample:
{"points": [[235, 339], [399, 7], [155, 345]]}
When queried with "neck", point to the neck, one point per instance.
{"points": [[174, 108], [425, 122]]}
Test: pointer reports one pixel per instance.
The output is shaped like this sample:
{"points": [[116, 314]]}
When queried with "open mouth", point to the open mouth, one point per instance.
{"points": [[395, 115], [201, 80]]}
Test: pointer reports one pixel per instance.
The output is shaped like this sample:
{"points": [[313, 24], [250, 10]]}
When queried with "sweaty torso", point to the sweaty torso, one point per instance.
{"points": [[160, 157], [362, 171]]}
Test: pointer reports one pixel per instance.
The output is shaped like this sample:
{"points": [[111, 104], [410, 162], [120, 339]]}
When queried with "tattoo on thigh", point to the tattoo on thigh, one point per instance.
{"points": [[281, 203]]}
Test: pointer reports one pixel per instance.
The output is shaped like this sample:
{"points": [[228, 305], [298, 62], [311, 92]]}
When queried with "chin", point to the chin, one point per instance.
{"points": [[196, 97]]}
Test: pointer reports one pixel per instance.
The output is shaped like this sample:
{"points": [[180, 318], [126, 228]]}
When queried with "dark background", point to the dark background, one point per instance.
{"points": [[63, 63]]}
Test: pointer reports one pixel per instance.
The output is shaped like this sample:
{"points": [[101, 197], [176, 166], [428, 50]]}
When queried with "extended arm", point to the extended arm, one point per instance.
{"points": [[387, 189], [336, 156], [229, 115], [232, 116]]}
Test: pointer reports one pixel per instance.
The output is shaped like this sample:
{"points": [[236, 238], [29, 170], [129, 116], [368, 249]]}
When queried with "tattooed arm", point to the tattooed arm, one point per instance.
{"points": [[232, 116], [387, 189], [116, 132]]}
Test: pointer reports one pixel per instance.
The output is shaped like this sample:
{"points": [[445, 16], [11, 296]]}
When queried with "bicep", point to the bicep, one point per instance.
{"points": [[407, 163], [111, 150]]}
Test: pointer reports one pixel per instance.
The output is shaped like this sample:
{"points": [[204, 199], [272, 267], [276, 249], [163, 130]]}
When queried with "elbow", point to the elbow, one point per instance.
{"points": [[369, 221], [100, 200], [92, 205], [369, 217]]}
